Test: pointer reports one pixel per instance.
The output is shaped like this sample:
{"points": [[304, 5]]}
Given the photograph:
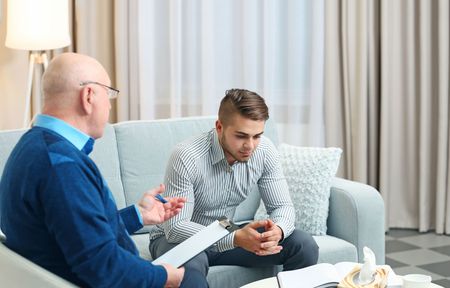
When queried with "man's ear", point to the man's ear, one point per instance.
{"points": [[219, 127], [87, 98]]}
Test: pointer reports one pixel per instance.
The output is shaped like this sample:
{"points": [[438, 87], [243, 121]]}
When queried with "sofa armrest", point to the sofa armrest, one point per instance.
{"points": [[356, 215], [16, 271]]}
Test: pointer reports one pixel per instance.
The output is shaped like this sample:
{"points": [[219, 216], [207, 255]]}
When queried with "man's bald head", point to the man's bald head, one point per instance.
{"points": [[63, 76], [84, 106]]}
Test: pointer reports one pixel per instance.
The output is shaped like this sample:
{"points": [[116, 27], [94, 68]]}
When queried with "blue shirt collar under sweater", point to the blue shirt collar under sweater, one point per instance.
{"points": [[79, 139]]}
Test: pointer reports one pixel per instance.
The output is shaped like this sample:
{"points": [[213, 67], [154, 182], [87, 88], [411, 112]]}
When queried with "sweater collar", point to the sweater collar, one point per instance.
{"points": [[79, 139]]}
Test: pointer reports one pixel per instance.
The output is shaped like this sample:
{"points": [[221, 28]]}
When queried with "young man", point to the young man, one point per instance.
{"points": [[58, 211], [215, 172]]}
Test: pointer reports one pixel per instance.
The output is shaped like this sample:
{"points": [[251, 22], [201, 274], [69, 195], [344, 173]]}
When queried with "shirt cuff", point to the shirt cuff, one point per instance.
{"points": [[282, 234], [285, 230], [227, 243]]}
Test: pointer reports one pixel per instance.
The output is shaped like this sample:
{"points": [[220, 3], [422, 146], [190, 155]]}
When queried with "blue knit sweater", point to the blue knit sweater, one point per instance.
{"points": [[57, 211]]}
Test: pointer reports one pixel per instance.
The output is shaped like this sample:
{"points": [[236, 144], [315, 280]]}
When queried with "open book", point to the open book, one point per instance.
{"points": [[325, 275]]}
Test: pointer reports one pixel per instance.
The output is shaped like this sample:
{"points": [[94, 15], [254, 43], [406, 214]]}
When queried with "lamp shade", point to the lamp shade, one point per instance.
{"points": [[37, 24]]}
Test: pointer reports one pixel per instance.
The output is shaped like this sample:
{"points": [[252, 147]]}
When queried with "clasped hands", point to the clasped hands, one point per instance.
{"points": [[262, 244]]}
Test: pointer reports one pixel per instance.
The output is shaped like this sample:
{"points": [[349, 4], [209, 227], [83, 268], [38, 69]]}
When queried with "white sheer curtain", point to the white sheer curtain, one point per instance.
{"points": [[176, 58]]}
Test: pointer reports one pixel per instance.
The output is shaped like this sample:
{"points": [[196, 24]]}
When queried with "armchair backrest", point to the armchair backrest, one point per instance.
{"points": [[16, 271]]}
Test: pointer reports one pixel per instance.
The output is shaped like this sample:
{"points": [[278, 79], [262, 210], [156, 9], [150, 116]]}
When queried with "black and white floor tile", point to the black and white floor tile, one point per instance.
{"points": [[408, 251]]}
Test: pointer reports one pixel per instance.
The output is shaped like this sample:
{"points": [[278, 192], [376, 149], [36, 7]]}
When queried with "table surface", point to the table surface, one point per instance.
{"points": [[264, 283], [273, 283]]}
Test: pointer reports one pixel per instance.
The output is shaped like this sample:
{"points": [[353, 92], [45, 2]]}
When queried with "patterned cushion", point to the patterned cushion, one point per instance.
{"points": [[308, 172]]}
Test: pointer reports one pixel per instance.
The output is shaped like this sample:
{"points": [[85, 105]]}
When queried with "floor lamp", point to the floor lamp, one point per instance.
{"points": [[36, 26]]}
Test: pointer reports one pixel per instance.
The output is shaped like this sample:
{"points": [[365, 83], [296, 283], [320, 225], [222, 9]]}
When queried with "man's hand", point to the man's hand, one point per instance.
{"points": [[155, 212], [261, 244], [270, 239], [174, 276]]}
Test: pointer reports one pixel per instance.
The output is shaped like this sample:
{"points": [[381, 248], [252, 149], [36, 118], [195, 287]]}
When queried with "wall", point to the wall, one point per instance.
{"points": [[13, 80], [94, 37]]}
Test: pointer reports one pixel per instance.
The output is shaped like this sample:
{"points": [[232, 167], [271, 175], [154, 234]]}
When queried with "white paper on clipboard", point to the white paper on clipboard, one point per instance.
{"points": [[195, 244]]}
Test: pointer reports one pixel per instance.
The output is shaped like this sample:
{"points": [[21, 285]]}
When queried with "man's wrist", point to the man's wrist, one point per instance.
{"points": [[282, 234], [227, 243], [139, 214], [235, 238]]}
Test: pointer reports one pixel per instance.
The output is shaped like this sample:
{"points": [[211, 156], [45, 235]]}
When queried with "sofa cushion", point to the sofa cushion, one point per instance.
{"points": [[308, 172], [105, 155], [333, 250], [8, 139], [144, 149], [142, 242]]}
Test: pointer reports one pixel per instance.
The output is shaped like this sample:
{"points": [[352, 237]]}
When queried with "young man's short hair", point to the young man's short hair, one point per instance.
{"points": [[246, 103]]}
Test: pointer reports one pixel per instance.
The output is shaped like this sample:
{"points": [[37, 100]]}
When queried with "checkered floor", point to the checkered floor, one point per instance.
{"points": [[408, 251]]}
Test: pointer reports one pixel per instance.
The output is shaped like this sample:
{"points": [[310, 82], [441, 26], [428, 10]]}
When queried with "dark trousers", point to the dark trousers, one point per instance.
{"points": [[299, 250]]}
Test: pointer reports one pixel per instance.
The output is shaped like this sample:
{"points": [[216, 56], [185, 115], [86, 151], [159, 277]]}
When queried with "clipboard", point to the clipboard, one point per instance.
{"points": [[195, 244]]}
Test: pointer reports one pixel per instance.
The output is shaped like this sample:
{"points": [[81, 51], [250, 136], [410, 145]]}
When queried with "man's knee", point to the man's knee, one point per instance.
{"points": [[193, 278], [305, 245], [199, 263], [311, 249]]}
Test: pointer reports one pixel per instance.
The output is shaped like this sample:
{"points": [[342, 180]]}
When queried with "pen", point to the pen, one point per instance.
{"points": [[160, 198]]}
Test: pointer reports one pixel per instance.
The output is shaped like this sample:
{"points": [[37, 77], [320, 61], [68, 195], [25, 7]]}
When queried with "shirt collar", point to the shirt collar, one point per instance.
{"points": [[79, 139], [217, 153]]}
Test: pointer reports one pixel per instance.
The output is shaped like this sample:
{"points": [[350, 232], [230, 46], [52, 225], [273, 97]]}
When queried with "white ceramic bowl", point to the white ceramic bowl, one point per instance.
{"points": [[416, 281]]}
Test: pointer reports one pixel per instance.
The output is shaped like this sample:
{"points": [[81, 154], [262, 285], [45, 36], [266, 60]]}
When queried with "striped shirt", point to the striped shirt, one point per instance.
{"points": [[199, 171]]}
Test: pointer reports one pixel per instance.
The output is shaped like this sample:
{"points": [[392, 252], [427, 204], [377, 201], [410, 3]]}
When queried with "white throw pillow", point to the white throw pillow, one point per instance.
{"points": [[308, 172]]}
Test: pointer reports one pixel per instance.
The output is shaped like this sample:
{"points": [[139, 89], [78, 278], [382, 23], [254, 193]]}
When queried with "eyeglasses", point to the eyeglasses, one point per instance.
{"points": [[112, 92]]}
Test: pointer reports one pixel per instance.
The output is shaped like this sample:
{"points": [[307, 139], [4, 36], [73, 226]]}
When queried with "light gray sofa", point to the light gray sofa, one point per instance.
{"points": [[132, 157]]}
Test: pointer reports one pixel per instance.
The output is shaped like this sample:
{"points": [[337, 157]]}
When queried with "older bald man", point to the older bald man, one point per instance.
{"points": [[56, 208]]}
